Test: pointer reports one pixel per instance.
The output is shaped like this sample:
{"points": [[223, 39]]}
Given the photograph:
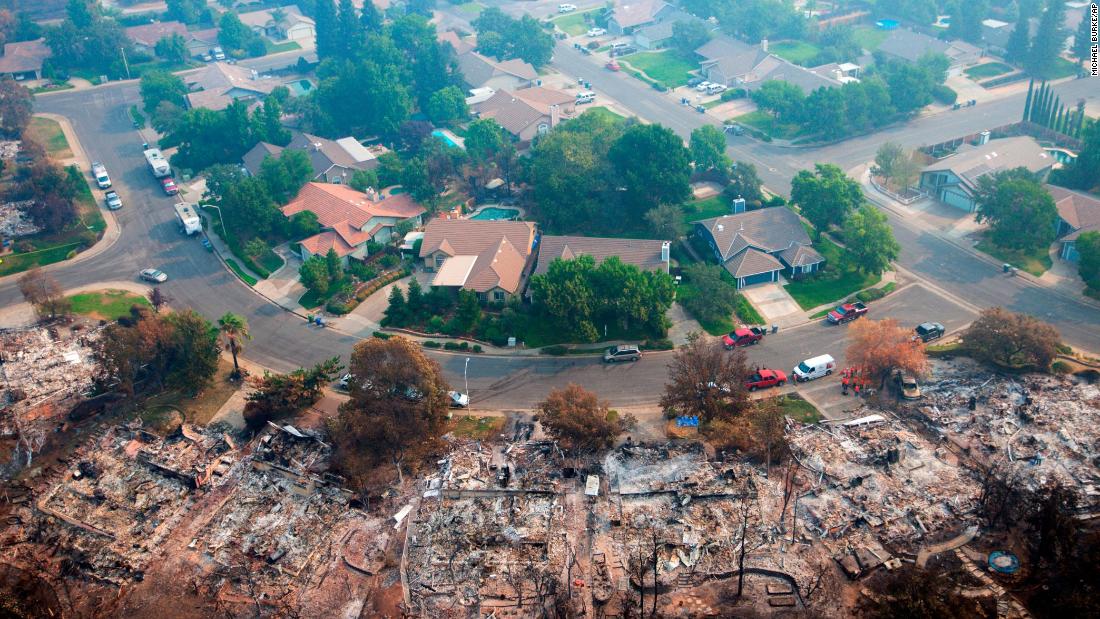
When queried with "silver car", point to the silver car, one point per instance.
{"points": [[155, 276], [616, 354], [113, 201]]}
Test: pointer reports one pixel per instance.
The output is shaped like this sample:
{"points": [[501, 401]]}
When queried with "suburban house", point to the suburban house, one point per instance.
{"points": [[459, 44], [23, 60], [659, 34], [220, 83], [1077, 213], [730, 62], [334, 161], [200, 42], [480, 71], [758, 246], [146, 36], [954, 179], [630, 15], [910, 45], [491, 258], [996, 33], [350, 219], [293, 26], [645, 254], [527, 113]]}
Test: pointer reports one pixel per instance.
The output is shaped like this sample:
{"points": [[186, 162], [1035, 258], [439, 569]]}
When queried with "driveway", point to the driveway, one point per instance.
{"points": [[773, 302]]}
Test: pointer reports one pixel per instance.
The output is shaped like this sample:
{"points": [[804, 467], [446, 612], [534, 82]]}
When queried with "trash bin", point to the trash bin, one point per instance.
{"points": [[1006, 267], [775, 328]]}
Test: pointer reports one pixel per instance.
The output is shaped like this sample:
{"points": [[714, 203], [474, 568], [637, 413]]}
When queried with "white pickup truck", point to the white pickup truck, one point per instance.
{"points": [[188, 218], [100, 174], [157, 163]]}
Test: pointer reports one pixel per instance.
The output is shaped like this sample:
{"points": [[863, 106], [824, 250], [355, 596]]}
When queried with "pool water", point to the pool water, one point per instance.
{"points": [[493, 213], [446, 138], [299, 87]]}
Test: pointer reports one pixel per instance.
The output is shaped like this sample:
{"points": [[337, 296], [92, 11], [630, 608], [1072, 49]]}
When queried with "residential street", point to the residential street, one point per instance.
{"points": [[282, 341]]}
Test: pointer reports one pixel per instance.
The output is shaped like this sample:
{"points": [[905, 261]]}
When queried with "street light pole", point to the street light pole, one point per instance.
{"points": [[464, 376], [221, 219], [124, 63]]}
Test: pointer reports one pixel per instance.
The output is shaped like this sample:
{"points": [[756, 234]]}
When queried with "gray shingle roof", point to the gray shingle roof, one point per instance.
{"points": [[972, 162], [255, 156], [642, 253], [721, 47], [911, 45], [801, 255], [769, 229], [752, 262]]}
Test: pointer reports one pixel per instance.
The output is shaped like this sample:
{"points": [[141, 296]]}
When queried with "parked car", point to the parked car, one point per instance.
{"points": [[743, 336], [113, 201], [153, 275], [907, 384], [458, 399], [814, 367], [586, 96], [170, 187], [612, 65], [928, 331], [596, 32], [99, 171], [567, 8], [764, 379], [616, 354], [714, 89], [695, 81], [846, 312], [207, 57], [622, 49], [735, 129], [702, 86], [218, 53]]}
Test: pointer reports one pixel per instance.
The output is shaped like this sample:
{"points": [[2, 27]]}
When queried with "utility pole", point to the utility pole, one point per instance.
{"points": [[464, 377], [124, 63]]}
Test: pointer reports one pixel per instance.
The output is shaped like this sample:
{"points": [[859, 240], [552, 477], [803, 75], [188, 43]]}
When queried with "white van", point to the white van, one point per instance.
{"points": [[586, 96], [821, 365]]}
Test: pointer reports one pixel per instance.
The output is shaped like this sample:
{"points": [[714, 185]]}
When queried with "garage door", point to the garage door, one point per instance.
{"points": [[762, 278]]}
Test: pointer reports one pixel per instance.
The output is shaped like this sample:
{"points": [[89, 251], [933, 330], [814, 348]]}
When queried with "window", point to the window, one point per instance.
{"points": [[439, 260], [498, 295]]}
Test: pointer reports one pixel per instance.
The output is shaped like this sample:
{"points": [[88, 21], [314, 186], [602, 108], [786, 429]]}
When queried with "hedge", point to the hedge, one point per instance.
{"points": [[432, 344], [734, 93], [661, 344], [381, 336], [944, 94], [343, 307]]}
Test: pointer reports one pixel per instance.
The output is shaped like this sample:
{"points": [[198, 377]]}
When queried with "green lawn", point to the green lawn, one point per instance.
{"points": [[603, 111], [706, 208], [798, 409], [668, 67], [470, 8], [1036, 262], [48, 133], [275, 48], [839, 279], [248, 279], [573, 24], [312, 300], [869, 37], [17, 263], [766, 123], [106, 304], [798, 52], [989, 69], [747, 313], [481, 428], [1063, 68]]}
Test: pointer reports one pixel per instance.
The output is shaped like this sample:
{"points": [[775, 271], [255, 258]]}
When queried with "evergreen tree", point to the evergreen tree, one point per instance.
{"points": [[326, 29], [1051, 116], [371, 18], [1082, 40], [1027, 101], [1047, 46], [396, 314], [1018, 42], [350, 36]]}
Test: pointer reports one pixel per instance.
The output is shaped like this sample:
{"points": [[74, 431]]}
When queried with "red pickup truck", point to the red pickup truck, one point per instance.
{"points": [[763, 379], [744, 336], [847, 312]]}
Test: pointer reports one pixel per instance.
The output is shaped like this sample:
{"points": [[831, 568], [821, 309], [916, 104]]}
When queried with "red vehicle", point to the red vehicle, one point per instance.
{"points": [[613, 66], [764, 379], [847, 312], [744, 336], [169, 186]]}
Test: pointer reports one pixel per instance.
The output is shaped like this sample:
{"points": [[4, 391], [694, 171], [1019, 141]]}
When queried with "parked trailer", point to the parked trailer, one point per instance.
{"points": [[157, 163], [188, 218]]}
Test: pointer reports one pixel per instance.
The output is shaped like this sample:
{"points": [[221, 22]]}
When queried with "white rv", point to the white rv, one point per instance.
{"points": [[157, 163], [188, 218]]}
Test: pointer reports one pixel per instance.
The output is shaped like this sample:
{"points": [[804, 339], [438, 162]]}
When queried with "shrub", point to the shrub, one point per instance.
{"points": [[338, 307], [1061, 367], [593, 45], [432, 344], [476, 348], [1063, 349], [734, 93], [381, 336], [373, 247], [659, 344], [871, 294], [944, 94], [658, 87], [364, 272], [557, 350], [456, 346], [435, 324], [389, 261]]}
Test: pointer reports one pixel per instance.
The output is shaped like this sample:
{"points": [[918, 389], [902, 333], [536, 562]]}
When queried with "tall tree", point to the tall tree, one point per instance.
{"points": [[328, 37], [1011, 340], [712, 299], [1019, 41], [706, 381], [708, 148], [194, 345], [1084, 172], [172, 48], [1028, 100], [745, 183], [882, 346], [234, 330], [1046, 48], [162, 86], [1082, 40], [665, 222], [349, 30], [1088, 265], [689, 35], [579, 420], [397, 407], [825, 196], [653, 165], [966, 22], [15, 108], [1020, 212], [870, 240], [43, 292]]}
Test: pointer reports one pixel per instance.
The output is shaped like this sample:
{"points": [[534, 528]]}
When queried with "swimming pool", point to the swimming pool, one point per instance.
{"points": [[493, 213], [299, 87], [448, 138]]}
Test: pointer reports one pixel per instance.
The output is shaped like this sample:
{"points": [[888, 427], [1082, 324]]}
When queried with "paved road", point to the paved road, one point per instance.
{"points": [[282, 341]]}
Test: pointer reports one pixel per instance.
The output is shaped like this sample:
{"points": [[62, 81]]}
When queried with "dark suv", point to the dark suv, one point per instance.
{"points": [[928, 331], [622, 353]]}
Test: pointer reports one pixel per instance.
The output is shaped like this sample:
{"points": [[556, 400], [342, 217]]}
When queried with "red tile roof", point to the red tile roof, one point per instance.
{"points": [[319, 244], [339, 203], [149, 34]]}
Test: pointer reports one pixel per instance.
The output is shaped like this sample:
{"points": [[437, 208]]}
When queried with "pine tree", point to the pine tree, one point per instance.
{"points": [[1082, 40], [1058, 120], [1047, 46], [1027, 101], [1018, 44], [1079, 119], [1052, 116], [325, 19]]}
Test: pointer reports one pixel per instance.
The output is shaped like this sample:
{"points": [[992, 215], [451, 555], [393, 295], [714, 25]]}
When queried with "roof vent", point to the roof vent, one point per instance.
{"points": [[721, 227]]}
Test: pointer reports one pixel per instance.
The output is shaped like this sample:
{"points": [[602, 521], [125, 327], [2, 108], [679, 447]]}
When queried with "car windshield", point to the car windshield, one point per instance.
{"points": [[839, 309], [805, 369]]}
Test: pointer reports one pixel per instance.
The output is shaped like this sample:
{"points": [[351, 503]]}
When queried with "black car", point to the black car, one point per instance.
{"points": [[928, 331], [695, 81]]}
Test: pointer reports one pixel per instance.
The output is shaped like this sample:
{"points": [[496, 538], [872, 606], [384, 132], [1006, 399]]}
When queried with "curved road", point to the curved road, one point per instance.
{"points": [[283, 341]]}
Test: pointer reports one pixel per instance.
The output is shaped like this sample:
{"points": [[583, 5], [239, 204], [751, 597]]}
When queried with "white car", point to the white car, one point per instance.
{"points": [[567, 8], [714, 89], [703, 86], [155, 276], [113, 201], [597, 32], [458, 399]]}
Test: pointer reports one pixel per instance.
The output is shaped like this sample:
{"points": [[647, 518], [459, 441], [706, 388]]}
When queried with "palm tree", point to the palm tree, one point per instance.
{"points": [[234, 329]]}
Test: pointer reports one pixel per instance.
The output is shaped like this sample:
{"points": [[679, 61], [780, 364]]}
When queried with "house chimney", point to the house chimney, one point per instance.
{"points": [[764, 44], [316, 147], [720, 227], [665, 251], [372, 195], [555, 115]]}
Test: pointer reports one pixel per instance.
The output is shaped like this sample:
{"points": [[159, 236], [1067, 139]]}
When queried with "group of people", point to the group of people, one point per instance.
{"points": [[854, 378]]}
